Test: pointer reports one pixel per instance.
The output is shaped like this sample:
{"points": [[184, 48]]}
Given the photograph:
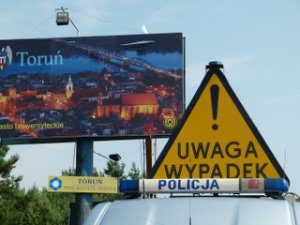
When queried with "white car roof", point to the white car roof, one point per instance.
{"points": [[196, 211]]}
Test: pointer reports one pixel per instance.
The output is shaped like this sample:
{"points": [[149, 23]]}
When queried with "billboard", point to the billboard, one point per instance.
{"points": [[107, 86]]}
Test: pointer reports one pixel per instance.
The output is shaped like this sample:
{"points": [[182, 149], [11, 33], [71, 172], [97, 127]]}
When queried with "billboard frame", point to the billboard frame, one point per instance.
{"points": [[59, 139]]}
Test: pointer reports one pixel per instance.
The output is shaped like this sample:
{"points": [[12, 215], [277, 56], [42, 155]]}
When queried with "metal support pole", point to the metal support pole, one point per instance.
{"points": [[84, 167], [148, 155]]}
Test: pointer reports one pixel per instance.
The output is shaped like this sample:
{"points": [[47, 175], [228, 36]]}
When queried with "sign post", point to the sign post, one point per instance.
{"points": [[216, 138], [148, 155], [84, 167]]}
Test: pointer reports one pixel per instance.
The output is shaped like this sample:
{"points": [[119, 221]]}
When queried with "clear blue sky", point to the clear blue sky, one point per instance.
{"points": [[257, 41]]}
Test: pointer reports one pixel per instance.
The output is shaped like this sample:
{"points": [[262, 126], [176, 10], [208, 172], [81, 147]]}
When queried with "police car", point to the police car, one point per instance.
{"points": [[255, 201]]}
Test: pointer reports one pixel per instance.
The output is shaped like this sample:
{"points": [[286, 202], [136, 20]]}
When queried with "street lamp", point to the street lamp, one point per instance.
{"points": [[63, 18], [115, 157], [111, 157]]}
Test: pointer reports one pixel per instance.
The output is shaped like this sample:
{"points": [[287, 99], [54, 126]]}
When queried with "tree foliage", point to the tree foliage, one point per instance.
{"points": [[8, 182], [134, 172], [115, 169], [34, 207], [10, 194]]}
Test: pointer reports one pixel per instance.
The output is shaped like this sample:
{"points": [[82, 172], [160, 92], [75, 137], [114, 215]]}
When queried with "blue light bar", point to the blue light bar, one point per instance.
{"points": [[276, 185], [230, 185], [129, 186]]}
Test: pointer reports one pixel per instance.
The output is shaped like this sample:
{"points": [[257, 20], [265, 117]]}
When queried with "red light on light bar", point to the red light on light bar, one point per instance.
{"points": [[253, 184]]}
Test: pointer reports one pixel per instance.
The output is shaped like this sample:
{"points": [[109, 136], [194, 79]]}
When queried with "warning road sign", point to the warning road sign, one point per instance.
{"points": [[216, 139]]}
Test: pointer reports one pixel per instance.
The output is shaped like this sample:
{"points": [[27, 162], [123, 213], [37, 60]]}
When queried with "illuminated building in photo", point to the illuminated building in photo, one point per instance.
{"points": [[138, 104]]}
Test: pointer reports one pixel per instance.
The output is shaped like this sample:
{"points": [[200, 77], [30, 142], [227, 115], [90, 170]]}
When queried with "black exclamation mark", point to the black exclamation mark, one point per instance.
{"points": [[214, 94]]}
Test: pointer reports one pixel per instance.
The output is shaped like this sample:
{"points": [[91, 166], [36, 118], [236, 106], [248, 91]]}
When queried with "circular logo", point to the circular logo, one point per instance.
{"points": [[170, 121], [55, 184]]}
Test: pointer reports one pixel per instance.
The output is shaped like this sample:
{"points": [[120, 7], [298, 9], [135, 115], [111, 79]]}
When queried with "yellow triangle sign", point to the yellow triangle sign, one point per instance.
{"points": [[216, 139]]}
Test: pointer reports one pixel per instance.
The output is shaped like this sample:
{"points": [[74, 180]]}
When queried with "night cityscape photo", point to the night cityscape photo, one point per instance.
{"points": [[130, 85]]}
